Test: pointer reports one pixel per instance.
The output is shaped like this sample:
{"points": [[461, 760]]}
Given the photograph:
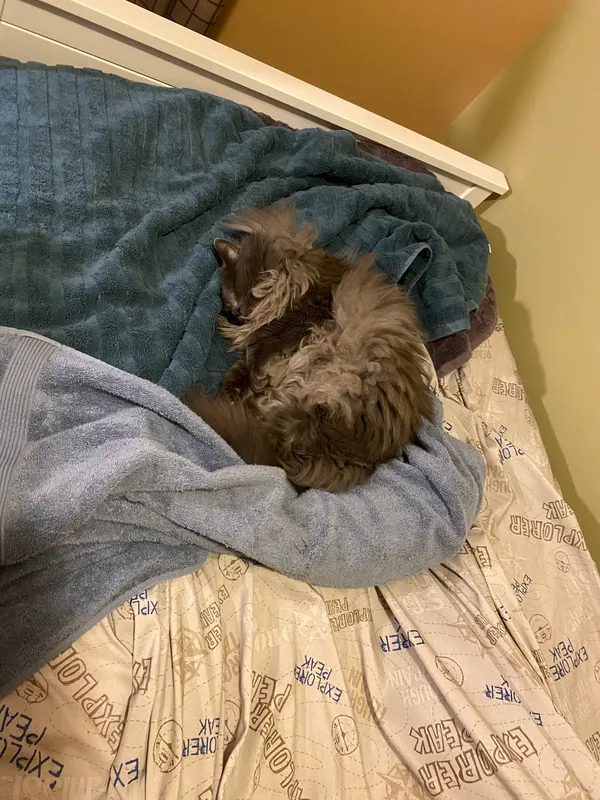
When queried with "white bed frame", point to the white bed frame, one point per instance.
{"points": [[118, 37]]}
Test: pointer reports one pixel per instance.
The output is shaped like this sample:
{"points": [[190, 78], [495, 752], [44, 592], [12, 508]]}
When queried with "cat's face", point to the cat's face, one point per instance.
{"points": [[243, 264], [238, 276], [269, 268]]}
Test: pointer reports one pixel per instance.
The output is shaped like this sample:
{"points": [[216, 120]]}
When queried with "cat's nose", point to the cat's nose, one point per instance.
{"points": [[231, 314]]}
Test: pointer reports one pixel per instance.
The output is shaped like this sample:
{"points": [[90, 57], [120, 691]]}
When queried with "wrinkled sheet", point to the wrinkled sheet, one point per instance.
{"points": [[108, 483], [478, 679]]}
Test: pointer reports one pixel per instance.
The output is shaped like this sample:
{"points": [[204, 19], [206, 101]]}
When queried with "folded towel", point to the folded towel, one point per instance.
{"points": [[112, 192], [381, 151], [455, 350], [108, 484]]}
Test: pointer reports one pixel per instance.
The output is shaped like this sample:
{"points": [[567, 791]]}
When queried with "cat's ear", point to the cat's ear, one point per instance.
{"points": [[228, 252]]}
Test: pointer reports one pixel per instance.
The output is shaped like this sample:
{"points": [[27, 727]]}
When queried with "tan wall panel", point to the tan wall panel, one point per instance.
{"points": [[416, 62], [540, 122]]}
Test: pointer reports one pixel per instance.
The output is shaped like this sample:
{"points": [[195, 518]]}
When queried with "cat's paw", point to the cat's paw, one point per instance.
{"points": [[236, 380]]}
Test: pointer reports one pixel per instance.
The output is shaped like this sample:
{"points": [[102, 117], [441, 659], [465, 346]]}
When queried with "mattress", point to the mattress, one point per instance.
{"points": [[478, 679]]}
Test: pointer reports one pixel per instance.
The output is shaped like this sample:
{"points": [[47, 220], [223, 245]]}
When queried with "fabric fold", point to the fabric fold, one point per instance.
{"points": [[112, 193], [115, 486]]}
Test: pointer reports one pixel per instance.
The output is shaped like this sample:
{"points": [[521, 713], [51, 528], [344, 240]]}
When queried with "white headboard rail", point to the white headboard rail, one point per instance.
{"points": [[119, 37]]}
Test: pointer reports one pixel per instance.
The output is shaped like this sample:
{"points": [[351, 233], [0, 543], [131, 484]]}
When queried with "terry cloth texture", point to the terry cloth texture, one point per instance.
{"points": [[112, 192], [453, 351], [109, 484]]}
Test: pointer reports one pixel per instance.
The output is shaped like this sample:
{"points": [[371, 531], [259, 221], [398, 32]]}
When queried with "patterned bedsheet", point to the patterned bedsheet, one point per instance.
{"points": [[479, 679]]}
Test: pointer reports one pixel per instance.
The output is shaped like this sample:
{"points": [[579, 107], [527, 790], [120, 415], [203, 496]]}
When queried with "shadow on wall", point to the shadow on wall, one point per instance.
{"points": [[503, 269], [508, 94]]}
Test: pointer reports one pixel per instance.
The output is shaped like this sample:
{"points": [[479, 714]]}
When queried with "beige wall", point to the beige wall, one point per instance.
{"points": [[416, 62], [540, 122]]}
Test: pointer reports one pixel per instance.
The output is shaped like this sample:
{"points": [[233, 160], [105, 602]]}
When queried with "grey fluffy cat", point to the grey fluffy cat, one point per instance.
{"points": [[333, 378]]}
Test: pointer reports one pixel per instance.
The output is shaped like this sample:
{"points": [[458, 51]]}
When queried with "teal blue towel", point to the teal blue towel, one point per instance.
{"points": [[112, 192]]}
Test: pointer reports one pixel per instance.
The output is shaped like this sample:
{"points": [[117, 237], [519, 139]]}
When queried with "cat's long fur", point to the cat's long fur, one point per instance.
{"points": [[333, 379]]}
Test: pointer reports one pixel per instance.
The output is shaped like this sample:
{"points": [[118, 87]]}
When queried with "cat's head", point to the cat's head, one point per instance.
{"points": [[240, 269], [262, 273]]}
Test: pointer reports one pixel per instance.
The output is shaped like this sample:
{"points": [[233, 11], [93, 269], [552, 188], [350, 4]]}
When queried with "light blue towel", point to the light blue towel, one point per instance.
{"points": [[108, 484]]}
